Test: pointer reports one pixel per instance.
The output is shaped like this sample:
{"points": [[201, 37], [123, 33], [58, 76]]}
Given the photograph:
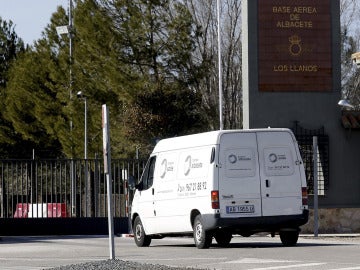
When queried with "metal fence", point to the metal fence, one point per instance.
{"points": [[63, 188], [305, 141], [77, 187]]}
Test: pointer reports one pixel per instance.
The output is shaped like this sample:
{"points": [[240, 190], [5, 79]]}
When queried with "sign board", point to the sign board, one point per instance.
{"points": [[294, 45], [61, 30]]}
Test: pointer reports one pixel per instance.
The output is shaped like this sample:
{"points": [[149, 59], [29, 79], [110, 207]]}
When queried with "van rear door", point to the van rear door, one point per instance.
{"points": [[239, 185], [279, 173]]}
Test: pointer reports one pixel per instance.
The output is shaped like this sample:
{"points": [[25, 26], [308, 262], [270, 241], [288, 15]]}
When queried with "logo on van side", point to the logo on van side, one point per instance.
{"points": [[191, 163], [273, 157], [187, 165], [166, 166], [163, 168], [232, 158]]}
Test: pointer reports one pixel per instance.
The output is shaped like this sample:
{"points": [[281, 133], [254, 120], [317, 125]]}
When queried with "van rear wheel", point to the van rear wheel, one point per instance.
{"points": [[223, 238], [141, 239], [289, 238], [202, 237]]}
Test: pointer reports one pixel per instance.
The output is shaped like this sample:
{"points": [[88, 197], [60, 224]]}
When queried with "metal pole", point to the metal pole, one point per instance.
{"points": [[219, 65], [73, 188], [316, 203], [85, 131], [87, 179], [107, 170], [70, 44], [73, 184]]}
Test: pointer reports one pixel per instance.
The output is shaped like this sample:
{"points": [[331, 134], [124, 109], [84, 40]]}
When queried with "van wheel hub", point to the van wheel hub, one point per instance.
{"points": [[198, 232], [138, 231]]}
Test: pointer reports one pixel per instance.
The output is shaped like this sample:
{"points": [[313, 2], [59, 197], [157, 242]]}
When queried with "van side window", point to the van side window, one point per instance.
{"points": [[212, 157], [147, 177]]}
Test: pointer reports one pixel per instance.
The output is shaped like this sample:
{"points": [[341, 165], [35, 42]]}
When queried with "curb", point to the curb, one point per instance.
{"points": [[343, 235], [332, 235]]}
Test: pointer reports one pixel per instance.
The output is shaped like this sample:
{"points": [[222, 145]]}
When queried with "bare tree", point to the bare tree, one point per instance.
{"points": [[349, 12], [350, 34], [204, 13]]}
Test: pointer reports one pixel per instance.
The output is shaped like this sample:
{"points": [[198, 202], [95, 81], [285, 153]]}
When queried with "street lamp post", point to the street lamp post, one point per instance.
{"points": [[345, 104], [219, 66], [68, 30]]}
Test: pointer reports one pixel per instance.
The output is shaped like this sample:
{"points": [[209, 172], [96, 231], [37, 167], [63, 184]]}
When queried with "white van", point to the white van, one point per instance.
{"points": [[221, 183]]}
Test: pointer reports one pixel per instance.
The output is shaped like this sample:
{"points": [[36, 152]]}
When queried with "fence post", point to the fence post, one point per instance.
{"points": [[73, 188], [2, 192], [316, 193]]}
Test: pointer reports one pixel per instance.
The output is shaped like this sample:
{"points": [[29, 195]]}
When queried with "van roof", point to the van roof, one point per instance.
{"points": [[203, 139]]}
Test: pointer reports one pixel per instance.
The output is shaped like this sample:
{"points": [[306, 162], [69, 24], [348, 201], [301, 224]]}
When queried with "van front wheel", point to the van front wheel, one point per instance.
{"points": [[289, 238], [141, 239], [202, 237]]}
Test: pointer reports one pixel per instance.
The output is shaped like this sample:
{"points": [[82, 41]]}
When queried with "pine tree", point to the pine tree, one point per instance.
{"points": [[10, 47], [134, 56], [155, 41]]}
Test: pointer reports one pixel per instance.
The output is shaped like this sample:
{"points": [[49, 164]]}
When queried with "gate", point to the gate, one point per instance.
{"points": [[63, 196], [305, 140]]}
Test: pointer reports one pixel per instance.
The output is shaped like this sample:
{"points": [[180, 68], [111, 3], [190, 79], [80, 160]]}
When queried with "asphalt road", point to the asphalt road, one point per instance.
{"points": [[256, 253]]}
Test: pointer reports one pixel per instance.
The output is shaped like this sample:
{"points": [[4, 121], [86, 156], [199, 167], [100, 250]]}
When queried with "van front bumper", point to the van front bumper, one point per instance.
{"points": [[255, 224]]}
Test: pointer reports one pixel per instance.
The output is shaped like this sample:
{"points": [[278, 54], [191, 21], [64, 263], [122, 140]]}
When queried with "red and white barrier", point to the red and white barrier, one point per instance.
{"points": [[40, 210]]}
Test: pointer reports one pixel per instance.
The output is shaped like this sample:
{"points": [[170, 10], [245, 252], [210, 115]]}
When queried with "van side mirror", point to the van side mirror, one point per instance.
{"points": [[131, 181]]}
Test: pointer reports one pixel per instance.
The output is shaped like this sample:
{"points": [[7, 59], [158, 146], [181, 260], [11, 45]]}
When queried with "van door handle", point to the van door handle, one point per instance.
{"points": [[153, 191], [267, 183]]}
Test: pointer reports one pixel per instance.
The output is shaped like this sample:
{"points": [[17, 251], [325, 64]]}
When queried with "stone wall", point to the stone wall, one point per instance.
{"points": [[335, 220]]}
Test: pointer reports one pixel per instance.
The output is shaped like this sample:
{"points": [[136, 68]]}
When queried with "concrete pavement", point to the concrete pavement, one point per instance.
{"points": [[45, 252]]}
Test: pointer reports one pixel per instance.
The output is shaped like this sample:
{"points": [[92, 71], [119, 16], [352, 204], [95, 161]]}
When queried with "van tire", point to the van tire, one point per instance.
{"points": [[223, 238], [289, 238], [141, 239], [202, 237]]}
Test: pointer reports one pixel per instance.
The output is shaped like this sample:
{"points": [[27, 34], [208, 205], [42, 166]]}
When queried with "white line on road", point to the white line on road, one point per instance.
{"points": [[258, 261], [176, 259], [289, 266], [347, 268]]}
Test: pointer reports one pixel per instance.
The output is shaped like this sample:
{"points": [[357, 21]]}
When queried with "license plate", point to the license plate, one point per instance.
{"points": [[240, 209]]}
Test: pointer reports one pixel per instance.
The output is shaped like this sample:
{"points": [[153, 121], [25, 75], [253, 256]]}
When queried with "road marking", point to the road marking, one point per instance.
{"points": [[289, 266], [178, 259], [347, 268], [257, 260]]}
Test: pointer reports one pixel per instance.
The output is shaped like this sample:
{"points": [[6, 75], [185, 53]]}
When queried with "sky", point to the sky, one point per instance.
{"points": [[30, 17]]}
